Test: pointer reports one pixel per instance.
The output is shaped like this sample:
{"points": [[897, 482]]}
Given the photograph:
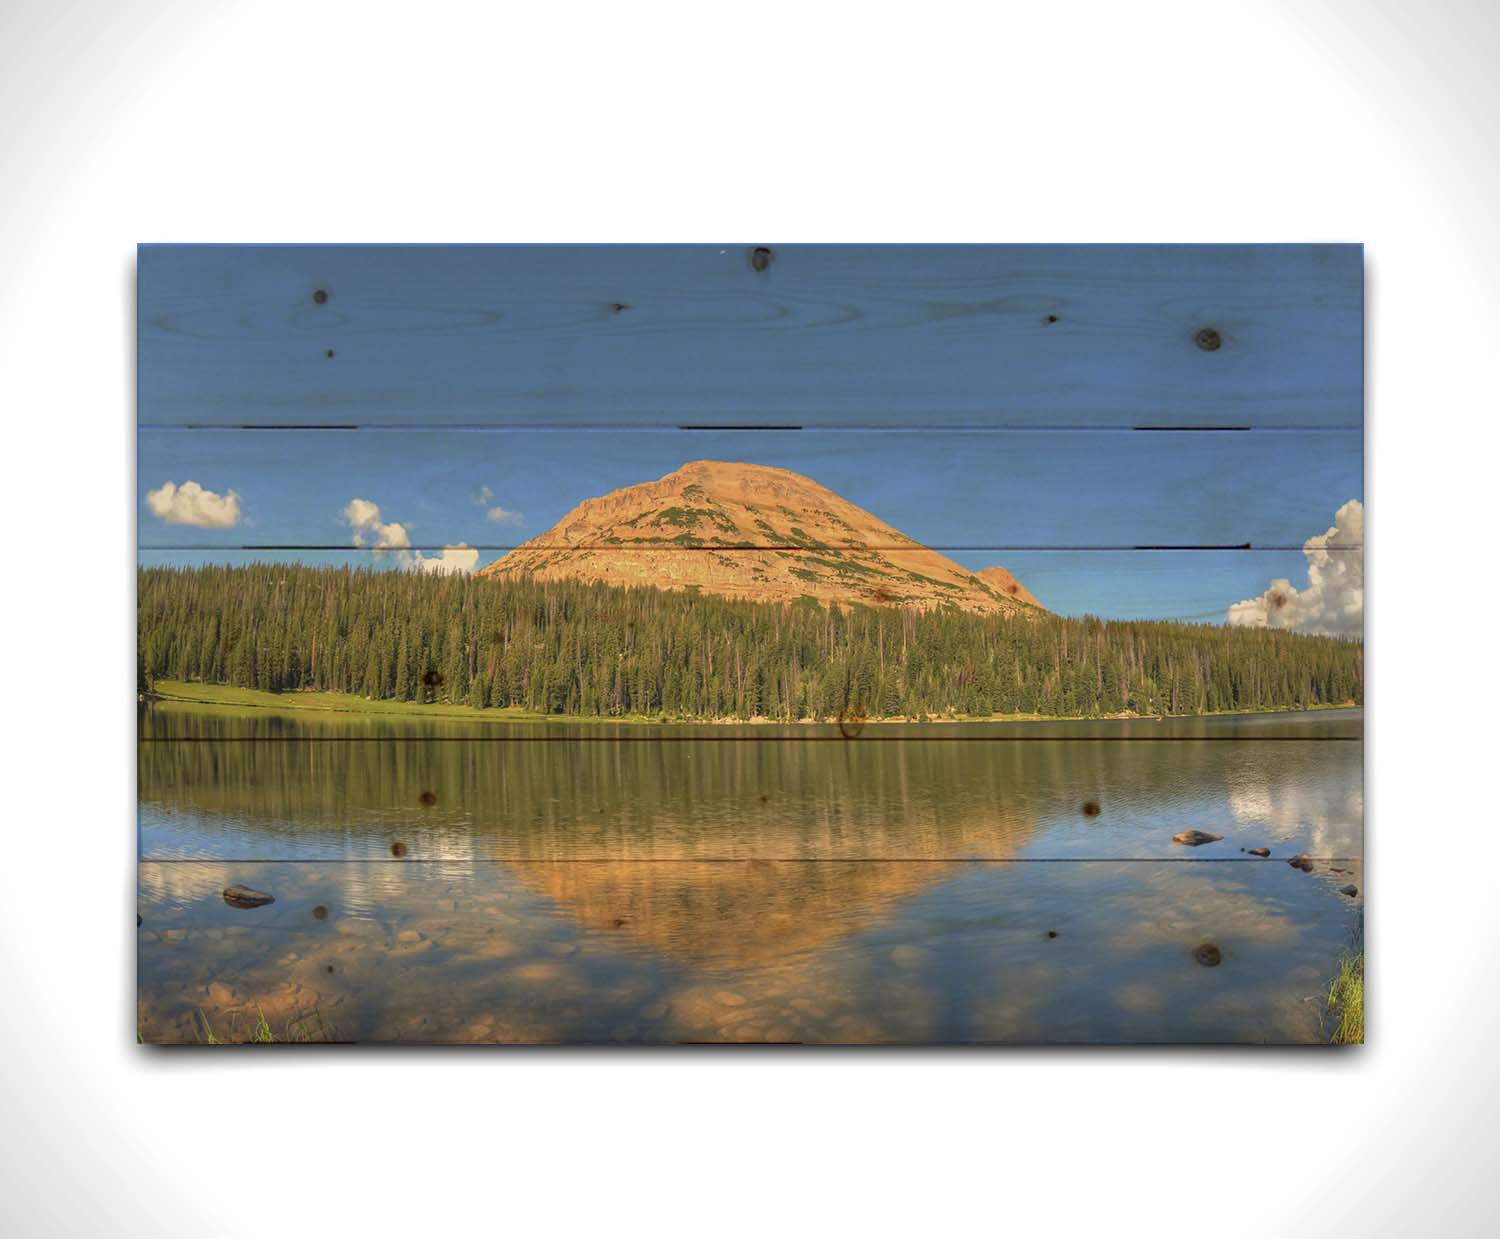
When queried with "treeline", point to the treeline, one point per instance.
{"points": [[587, 649]]}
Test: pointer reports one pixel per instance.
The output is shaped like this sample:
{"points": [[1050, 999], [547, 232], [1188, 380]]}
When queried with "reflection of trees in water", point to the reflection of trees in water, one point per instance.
{"points": [[760, 798], [572, 819], [614, 801]]}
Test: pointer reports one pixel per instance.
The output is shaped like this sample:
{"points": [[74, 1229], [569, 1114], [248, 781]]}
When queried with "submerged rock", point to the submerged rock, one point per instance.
{"points": [[1350, 889], [1260, 851], [244, 897], [1195, 837], [1303, 862]]}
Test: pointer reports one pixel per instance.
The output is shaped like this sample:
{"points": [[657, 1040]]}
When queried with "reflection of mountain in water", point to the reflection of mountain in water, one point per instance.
{"points": [[731, 914], [717, 820]]}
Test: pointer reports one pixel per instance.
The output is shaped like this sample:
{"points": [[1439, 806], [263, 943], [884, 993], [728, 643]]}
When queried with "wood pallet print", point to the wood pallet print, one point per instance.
{"points": [[806, 644]]}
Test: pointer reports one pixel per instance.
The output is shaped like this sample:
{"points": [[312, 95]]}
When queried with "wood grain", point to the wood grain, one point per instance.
{"points": [[823, 335], [1186, 586], [749, 797], [945, 489], [751, 951]]}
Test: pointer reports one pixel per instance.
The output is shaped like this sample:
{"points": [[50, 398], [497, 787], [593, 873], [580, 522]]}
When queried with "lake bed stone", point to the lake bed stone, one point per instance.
{"points": [[1195, 838], [246, 897]]}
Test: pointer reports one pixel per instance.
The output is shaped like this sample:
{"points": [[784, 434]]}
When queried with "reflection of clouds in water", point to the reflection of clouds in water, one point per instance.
{"points": [[1320, 805], [445, 953], [1183, 909]]}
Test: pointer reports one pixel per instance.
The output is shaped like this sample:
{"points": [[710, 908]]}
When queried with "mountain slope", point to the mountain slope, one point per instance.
{"points": [[754, 532], [1002, 581]]}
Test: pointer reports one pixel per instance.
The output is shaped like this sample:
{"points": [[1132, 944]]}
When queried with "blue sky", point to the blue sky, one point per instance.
{"points": [[1054, 506], [984, 498]]}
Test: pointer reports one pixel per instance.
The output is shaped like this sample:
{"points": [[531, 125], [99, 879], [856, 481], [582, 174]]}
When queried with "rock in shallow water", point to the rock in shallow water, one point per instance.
{"points": [[1260, 851], [1303, 862], [244, 897], [1195, 837], [1350, 889]]}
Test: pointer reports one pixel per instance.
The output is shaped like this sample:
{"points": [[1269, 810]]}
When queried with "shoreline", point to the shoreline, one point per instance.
{"points": [[228, 697]]}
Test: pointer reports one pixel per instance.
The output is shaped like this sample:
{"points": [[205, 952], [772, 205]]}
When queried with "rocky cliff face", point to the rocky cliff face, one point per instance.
{"points": [[758, 533]]}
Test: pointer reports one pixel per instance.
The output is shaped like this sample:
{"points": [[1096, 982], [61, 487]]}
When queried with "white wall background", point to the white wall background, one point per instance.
{"points": [[263, 120]]}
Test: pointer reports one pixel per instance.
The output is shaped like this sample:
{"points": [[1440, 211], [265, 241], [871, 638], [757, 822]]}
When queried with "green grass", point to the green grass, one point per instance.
{"points": [[1346, 1000], [233, 700], [236, 700], [302, 1030], [342, 703]]}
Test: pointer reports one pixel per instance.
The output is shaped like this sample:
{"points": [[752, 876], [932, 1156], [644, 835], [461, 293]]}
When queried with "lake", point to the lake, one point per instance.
{"points": [[449, 881]]}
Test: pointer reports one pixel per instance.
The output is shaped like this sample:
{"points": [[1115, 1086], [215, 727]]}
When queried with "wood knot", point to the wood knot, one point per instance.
{"points": [[320, 296], [398, 849], [760, 258], [1207, 339]]}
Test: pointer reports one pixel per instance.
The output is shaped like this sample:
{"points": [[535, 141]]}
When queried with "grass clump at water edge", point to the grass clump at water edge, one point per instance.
{"points": [[1346, 1000], [301, 1030]]}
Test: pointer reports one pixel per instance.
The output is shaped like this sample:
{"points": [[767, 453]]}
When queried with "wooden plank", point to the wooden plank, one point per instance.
{"points": [[944, 489], [1195, 587], [972, 335], [749, 797], [527, 809], [815, 952]]}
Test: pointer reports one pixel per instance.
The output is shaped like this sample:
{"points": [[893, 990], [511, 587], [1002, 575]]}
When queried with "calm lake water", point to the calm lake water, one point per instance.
{"points": [[461, 882]]}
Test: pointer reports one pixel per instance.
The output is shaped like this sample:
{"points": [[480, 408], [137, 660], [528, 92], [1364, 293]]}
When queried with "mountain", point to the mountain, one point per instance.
{"points": [[1002, 581], [754, 532]]}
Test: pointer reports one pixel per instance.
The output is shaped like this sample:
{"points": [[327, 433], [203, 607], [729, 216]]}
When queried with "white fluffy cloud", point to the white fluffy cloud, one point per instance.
{"points": [[485, 497], [1334, 599], [365, 517], [190, 504], [390, 538], [459, 558]]}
